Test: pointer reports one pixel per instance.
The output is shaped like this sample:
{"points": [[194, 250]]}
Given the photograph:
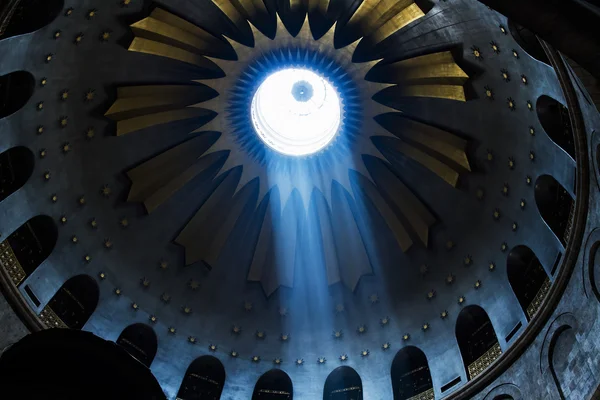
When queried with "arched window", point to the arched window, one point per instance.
{"points": [[477, 340], [30, 15], [140, 341], [16, 166], [410, 375], [73, 304], [15, 90], [528, 41], [203, 380], [343, 383], [554, 118], [27, 247], [556, 206], [273, 385], [528, 279]]}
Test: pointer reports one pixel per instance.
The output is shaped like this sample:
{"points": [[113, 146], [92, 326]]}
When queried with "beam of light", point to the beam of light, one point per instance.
{"points": [[296, 112]]}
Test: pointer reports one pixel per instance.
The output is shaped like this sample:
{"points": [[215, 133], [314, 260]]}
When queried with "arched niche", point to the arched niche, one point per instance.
{"points": [[555, 120], [73, 304], [476, 339], [556, 206], [343, 383], [16, 89], [504, 397], [31, 15], [273, 385], [528, 279], [16, 167], [27, 247], [140, 341], [528, 41], [563, 343], [411, 376], [204, 379]]}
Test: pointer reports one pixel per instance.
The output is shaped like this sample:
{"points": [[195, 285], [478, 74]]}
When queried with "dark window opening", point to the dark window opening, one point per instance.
{"points": [[528, 41], [16, 89], [476, 338], [203, 380], [75, 301], [273, 385], [140, 341], [16, 167], [527, 278], [30, 15], [343, 383], [556, 206], [555, 120], [410, 374]]}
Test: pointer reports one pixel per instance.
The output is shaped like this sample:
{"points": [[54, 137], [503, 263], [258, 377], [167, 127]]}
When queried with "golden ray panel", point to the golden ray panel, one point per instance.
{"points": [[329, 192]]}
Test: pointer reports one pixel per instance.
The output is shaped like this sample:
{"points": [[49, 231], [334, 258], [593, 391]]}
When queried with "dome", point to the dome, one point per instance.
{"points": [[277, 200]]}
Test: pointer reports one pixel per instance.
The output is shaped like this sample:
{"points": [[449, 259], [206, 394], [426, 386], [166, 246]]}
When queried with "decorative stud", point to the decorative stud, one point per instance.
{"points": [[374, 299], [66, 147], [247, 306], [532, 155], [477, 53], [515, 226], [425, 327], [104, 36], [385, 346], [42, 153], [81, 201], [528, 180], [338, 334], [450, 245], [40, 106], [236, 329], [524, 79], [255, 359], [118, 291], [344, 357], [125, 3], [365, 353], [504, 246], [47, 175], [339, 308], [515, 54], [153, 319], [68, 12], [102, 276], [87, 258], [468, 260], [299, 361], [108, 244], [260, 335], [423, 269], [48, 58], [40, 129], [406, 337], [522, 204], [89, 95], [63, 219], [361, 329], [145, 282], [106, 191], [93, 223], [384, 321], [90, 133], [503, 29], [461, 300], [135, 306], [431, 294], [92, 13], [321, 360], [192, 339], [277, 361], [495, 47], [165, 297], [284, 337], [490, 155], [492, 266], [212, 347], [193, 284], [511, 104], [477, 284], [234, 354], [44, 81], [450, 279], [172, 330], [529, 105], [489, 92], [63, 121], [511, 163], [444, 314], [54, 198], [124, 222], [57, 34], [74, 239], [505, 75], [532, 131], [64, 95]]}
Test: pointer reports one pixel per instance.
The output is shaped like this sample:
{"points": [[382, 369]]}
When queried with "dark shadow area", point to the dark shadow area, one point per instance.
{"points": [[204, 379], [273, 385], [75, 301], [555, 205], [528, 41], [554, 118], [16, 89], [343, 383], [140, 341], [70, 364], [16, 167], [526, 276], [31, 15], [476, 338], [411, 376]]}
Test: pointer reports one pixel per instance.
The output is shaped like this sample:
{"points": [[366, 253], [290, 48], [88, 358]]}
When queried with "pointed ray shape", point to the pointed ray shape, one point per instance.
{"points": [[351, 253], [170, 30], [379, 19], [431, 75], [233, 14], [372, 193], [404, 201], [322, 215], [156, 180], [320, 6], [206, 233], [139, 107], [434, 141]]}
